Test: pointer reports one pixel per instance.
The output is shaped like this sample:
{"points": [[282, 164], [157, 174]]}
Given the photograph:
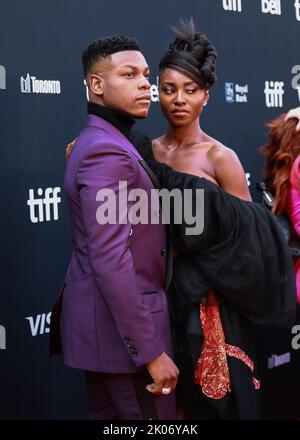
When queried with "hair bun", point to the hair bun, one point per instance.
{"points": [[192, 53]]}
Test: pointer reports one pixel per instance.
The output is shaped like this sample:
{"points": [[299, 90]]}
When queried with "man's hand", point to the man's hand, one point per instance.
{"points": [[164, 374], [294, 113]]}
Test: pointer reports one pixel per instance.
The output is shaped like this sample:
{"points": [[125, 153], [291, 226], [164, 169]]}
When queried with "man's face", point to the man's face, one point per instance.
{"points": [[121, 83]]}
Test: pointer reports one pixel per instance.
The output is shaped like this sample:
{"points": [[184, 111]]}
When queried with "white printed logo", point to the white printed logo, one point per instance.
{"points": [[232, 5], [25, 84], [296, 79], [2, 78], [30, 84], [236, 93], [271, 7], [2, 338], [43, 204], [297, 9], [154, 91], [276, 361], [38, 323], [274, 91]]}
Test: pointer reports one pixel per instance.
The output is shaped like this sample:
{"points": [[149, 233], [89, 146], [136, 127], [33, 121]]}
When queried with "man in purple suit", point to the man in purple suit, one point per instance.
{"points": [[111, 317]]}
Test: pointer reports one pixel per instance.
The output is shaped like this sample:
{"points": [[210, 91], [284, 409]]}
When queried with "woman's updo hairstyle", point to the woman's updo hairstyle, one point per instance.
{"points": [[192, 54]]}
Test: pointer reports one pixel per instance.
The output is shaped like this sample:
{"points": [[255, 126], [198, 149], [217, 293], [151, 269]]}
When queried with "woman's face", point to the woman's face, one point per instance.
{"points": [[181, 98]]}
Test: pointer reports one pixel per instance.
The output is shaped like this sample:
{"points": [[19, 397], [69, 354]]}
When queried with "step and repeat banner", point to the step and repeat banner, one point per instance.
{"points": [[42, 108]]}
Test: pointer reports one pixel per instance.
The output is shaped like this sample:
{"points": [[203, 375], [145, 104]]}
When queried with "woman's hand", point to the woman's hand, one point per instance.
{"points": [[69, 148], [294, 113]]}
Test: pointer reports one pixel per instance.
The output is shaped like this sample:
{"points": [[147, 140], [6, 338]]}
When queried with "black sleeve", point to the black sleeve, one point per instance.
{"points": [[170, 179], [142, 143], [241, 252]]}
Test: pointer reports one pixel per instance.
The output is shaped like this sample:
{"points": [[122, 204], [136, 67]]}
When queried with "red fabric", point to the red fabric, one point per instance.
{"points": [[212, 372]]}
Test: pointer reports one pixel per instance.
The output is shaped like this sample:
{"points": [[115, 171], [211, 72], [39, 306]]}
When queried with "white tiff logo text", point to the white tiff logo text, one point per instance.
{"points": [[232, 5], [40, 208], [274, 91]]}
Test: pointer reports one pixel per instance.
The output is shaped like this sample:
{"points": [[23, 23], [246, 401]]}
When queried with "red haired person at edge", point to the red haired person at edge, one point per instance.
{"points": [[281, 172]]}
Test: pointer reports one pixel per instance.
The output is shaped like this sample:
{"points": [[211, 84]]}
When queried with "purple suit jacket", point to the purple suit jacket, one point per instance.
{"points": [[111, 314]]}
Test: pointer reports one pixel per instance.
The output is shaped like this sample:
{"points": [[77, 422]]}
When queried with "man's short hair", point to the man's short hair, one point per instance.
{"points": [[103, 48]]}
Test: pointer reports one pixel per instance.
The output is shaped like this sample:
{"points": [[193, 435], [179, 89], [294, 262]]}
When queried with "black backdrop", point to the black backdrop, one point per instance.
{"points": [[44, 40]]}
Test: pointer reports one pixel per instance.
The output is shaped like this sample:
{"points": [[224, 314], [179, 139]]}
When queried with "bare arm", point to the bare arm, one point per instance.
{"points": [[230, 173]]}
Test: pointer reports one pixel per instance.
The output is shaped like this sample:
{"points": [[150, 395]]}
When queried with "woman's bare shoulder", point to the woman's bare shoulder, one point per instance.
{"points": [[157, 141], [219, 151]]}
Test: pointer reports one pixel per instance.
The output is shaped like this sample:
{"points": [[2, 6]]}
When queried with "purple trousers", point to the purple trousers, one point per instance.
{"points": [[124, 397]]}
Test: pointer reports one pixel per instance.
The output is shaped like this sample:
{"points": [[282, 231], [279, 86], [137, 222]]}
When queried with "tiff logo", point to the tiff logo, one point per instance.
{"points": [[2, 78], [2, 338], [296, 78], [39, 324], [232, 5], [44, 204], [271, 7], [297, 8], [274, 91]]}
